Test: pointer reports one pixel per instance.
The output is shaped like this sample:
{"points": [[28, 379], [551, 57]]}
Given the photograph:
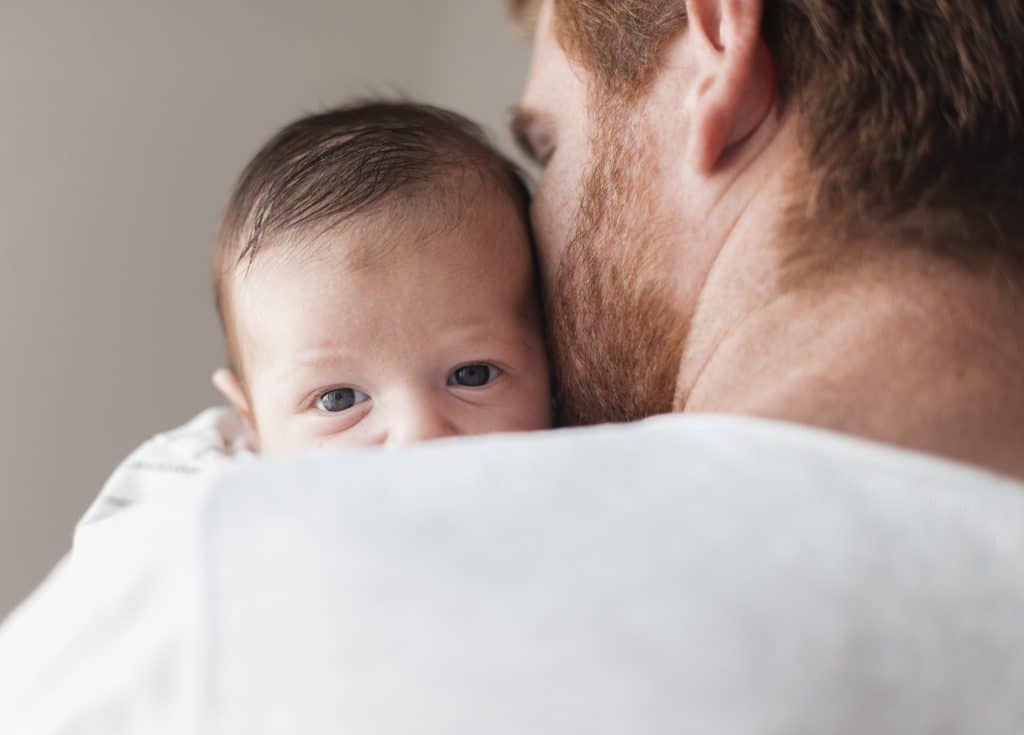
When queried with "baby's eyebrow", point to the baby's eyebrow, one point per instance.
{"points": [[318, 359], [516, 338]]}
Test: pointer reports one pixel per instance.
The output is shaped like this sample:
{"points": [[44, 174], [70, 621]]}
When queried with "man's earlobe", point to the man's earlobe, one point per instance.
{"points": [[735, 86]]}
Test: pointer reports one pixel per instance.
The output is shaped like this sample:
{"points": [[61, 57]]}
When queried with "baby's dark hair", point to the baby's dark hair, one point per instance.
{"points": [[326, 169]]}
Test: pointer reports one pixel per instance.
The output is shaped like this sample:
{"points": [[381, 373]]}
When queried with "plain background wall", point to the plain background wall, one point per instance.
{"points": [[123, 124]]}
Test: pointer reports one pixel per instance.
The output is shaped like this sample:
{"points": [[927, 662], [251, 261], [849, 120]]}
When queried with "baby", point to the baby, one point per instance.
{"points": [[375, 280]]}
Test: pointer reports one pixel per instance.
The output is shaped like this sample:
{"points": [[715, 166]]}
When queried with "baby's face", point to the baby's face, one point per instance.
{"points": [[438, 336]]}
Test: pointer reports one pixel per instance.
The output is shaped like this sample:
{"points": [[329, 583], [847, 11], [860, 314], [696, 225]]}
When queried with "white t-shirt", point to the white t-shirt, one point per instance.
{"points": [[687, 574]]}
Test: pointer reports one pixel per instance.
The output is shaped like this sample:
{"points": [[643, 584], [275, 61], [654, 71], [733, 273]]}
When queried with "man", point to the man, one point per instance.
{"points": [[807, 212], [803, 210]]}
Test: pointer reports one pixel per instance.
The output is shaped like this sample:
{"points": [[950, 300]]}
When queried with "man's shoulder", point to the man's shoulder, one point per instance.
{"points": [[710, 451], [716, 569], [698, 549], [668, 472]]}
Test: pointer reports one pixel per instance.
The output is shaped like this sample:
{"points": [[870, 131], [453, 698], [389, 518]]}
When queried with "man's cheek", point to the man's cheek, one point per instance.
{"points": [[554, 214], [548, 230]]}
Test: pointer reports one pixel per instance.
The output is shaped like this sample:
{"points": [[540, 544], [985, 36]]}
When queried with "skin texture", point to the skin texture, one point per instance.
{"points": [[687, 189], [395, 326]]}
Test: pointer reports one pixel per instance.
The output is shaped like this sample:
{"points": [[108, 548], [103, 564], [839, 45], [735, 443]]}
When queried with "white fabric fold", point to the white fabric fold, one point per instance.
{"points": [[697, 574]]}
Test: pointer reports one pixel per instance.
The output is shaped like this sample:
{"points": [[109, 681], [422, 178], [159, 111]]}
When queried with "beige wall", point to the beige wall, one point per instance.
{"points": [[122, 126]]}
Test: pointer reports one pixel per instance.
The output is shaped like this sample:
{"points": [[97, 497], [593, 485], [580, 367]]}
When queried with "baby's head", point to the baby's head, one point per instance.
{"points": [[376, 284]]}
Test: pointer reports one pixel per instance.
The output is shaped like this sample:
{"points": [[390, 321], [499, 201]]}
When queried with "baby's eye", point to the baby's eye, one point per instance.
{"points": [[474, 376], [341, 399]]}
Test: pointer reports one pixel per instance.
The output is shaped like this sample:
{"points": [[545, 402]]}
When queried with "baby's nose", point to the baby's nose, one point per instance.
{"points": [[419, 421]]}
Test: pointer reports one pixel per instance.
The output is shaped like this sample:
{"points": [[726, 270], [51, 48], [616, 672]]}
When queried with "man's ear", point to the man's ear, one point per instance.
{"points": [[230, 387], [735, 86]]}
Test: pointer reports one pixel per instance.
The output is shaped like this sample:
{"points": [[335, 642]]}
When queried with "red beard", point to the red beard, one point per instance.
{"points": [[616, 339]]}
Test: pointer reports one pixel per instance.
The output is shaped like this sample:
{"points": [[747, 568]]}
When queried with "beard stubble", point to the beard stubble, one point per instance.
{"points": [[617, 340]]}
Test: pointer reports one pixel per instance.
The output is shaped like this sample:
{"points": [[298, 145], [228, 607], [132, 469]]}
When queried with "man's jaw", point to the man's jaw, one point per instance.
{"points": [[617, 335]]}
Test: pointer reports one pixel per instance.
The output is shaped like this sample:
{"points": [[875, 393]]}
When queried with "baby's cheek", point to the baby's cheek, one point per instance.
{"points": [[355, 427], [366, 433], [276, 440], [539, 392], [284, 435], [528, 407], [541, 413]]}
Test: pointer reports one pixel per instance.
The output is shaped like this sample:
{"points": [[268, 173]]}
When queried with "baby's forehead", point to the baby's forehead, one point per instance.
{"points": [[328, 170], [450, 209], [462, 225], [385, 278], [361, 185]]}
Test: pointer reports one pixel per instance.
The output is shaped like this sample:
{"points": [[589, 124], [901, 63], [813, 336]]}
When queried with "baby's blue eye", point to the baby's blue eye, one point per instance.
{"points": [[474, 376], [341, 399]]}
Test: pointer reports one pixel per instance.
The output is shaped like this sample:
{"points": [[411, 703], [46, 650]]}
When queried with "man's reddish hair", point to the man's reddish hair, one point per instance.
{"points": [[912, 111]]}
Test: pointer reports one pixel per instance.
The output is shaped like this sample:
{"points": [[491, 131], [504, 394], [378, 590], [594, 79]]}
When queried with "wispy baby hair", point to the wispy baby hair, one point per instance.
{"points": [[326, 169]]}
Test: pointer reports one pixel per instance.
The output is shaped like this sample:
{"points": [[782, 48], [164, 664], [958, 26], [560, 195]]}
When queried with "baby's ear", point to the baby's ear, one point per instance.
{"points": [[230, 387]]}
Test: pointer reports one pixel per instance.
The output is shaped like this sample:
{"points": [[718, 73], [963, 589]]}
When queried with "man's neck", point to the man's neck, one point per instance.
{"points": [[902, 348]]}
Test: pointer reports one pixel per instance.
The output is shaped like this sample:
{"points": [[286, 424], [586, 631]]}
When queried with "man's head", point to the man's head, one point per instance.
{"points": [[834, 129], [375, 281]]}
